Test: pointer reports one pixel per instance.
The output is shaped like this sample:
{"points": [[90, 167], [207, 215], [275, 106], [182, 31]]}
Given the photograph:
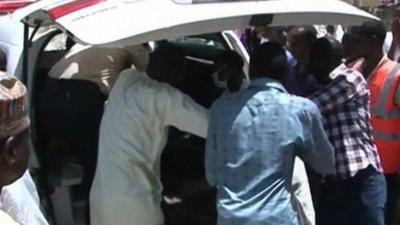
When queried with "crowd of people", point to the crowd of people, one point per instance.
{"points": [[312, 138], [306, 102]]}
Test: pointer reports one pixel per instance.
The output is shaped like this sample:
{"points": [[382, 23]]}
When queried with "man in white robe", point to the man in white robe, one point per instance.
{"points": [[127, 187]]}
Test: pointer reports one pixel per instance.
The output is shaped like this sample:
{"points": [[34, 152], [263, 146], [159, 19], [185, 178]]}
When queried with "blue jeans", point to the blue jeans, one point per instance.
{"points": [[359, 200], [393, 187]]}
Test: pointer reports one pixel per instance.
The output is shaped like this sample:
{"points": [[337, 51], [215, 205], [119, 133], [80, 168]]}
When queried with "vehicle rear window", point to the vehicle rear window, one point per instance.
{"points": [[197, 41]]}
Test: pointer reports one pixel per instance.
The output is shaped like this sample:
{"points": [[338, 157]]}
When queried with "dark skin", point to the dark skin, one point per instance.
{"points": [[299, 45], [165, 67], [235, 79], [371, 49], [269, 61], [233, 75], [325, 56], [350, 46], [370, 42], [14, 155], [229, 66]]}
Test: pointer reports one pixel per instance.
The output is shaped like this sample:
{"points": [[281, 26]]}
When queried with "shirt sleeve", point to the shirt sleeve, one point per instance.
{"points": [[336, 93], [317, 151], [211, 152], [183, 113]]}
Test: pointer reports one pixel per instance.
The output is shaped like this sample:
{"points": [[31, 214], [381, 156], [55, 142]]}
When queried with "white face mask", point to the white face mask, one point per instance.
{"points": [[219, 83]]}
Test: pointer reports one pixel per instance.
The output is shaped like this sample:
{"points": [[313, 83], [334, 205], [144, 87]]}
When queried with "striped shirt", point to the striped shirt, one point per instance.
{"points": [[344, 104]]}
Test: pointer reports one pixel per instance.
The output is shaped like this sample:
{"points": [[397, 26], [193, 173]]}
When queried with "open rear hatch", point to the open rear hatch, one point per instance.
{"points": [[9, 6], [121, 22]]}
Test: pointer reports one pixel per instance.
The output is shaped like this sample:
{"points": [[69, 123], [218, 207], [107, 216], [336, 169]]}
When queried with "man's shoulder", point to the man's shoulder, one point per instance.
{"points": [[351, 76], [386, 68], [139, 82], [303, 104], [225, 100], [347, 72]]}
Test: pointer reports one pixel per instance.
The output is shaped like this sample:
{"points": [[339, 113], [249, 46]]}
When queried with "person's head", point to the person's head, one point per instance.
{"points": [[300, 40], [228, 72], [275, 34], [14, 124], [325, 55], [269, 60], [139, 55], [166, 64], [372, 35], [351, 50], [330, 29]]}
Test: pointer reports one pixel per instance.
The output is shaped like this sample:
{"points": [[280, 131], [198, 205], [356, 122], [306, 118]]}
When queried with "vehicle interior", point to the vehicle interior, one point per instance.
{"points": [[66, 120]]}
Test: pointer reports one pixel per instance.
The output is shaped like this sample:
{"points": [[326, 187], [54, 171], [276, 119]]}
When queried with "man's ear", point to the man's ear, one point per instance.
{"points": [[10, 151]]}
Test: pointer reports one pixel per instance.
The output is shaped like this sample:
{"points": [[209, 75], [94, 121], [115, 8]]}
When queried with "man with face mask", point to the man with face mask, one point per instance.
{"points": [[229, 73], [14, 124]]}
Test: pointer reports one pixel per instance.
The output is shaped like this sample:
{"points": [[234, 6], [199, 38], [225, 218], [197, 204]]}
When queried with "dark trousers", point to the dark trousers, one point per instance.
{"points": [[359, 200], [393, 188]]}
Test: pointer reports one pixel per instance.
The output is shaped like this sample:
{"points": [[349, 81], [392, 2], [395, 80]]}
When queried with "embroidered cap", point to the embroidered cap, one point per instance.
{"points": [[13, 106]]}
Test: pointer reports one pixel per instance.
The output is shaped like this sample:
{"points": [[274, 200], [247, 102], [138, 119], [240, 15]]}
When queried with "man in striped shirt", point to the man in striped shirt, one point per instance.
{"points": [[356, 192]]}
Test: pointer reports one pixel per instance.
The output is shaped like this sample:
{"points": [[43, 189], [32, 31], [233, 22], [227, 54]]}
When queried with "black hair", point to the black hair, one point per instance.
{"points": [[230, 58], [164, 61], [330, 29], [167, 53], [328, 48], [325, 55], [269, 60], [373, 28], [309, 32]]}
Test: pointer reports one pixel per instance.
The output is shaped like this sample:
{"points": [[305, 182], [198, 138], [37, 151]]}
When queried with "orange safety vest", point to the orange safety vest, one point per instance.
{"points": [[385, 114]]}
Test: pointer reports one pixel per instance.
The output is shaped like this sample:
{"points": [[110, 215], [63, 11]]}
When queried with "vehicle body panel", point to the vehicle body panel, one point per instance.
{"points": [[118, 22]]}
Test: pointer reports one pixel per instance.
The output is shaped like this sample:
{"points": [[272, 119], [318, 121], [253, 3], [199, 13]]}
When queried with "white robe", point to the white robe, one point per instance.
{"points": [[127, 187], [6, 219], [21, 201]]}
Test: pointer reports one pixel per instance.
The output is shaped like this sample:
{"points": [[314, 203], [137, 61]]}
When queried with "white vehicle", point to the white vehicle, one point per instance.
{"points": [[196, 26]]}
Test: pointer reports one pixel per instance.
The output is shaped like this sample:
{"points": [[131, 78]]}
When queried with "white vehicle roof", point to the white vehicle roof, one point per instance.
{"points": [[120, 22]]}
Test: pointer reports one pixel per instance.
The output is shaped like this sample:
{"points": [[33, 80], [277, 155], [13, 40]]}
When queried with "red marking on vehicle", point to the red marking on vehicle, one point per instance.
{"points": [[71, 7], [12, 5]]}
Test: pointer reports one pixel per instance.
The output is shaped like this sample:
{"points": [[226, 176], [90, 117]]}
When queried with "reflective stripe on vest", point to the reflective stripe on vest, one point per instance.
{"points": [[379, 110], [386, 136]]}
